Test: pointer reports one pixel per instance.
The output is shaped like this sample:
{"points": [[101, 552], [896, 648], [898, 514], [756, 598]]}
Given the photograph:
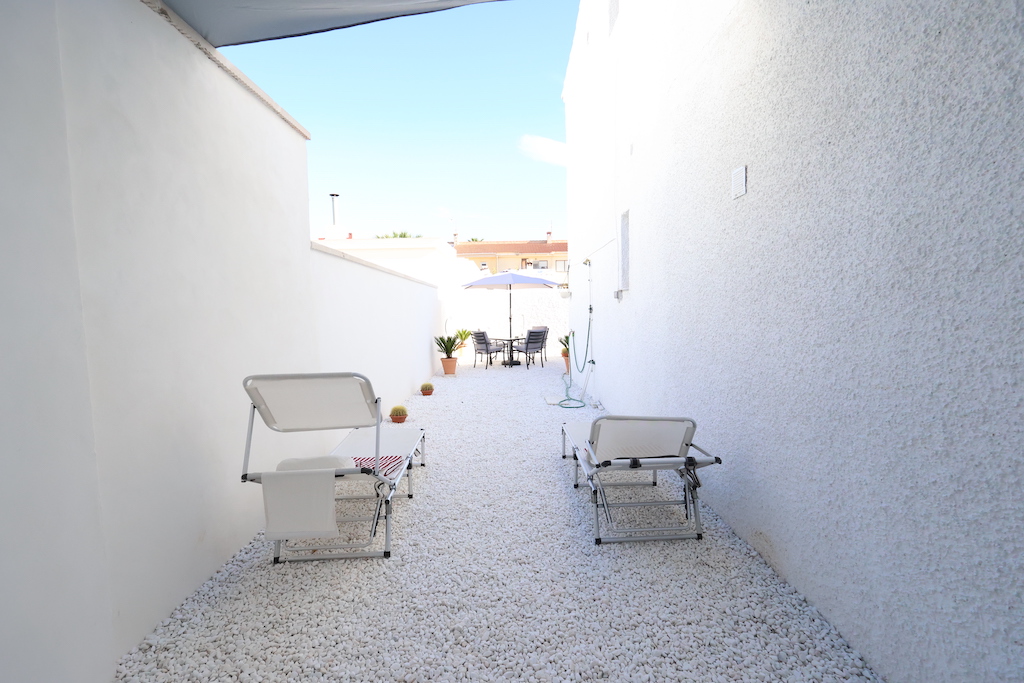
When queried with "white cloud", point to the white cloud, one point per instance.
{"points": [[543, 149]]}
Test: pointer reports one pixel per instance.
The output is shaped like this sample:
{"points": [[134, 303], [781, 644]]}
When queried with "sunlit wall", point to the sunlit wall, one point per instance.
{"points": [[156, 252], [846, 325]]}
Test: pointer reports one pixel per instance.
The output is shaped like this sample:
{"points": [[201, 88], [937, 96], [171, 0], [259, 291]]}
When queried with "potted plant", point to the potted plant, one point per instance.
{"points": [[398, 414], [426, 388], [447, 346], [463, 335], [564, 341]]}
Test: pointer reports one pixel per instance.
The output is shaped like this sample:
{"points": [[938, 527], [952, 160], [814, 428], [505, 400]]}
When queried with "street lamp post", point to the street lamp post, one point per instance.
{"points": [[334, 220]]}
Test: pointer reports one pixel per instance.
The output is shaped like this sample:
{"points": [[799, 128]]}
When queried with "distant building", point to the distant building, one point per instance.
{"points": [[497, 256]]}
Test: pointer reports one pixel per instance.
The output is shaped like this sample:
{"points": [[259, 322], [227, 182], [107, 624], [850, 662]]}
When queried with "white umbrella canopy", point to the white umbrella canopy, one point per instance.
{"points": [[510, 281]]}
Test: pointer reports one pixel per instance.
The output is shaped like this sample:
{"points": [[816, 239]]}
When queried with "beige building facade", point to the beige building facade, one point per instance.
{"points": [[497, 256]]}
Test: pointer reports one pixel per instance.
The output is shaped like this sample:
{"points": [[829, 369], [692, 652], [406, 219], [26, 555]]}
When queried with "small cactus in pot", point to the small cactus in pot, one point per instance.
{"points": [[398, 414], [426, 388]]}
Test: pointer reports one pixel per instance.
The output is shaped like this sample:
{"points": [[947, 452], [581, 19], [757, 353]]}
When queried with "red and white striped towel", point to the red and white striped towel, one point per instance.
{"points": [[390, 465]]}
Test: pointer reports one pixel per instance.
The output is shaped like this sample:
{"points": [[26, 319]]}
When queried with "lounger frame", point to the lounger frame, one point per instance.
{"points": [[599, 473], [385, 481]]}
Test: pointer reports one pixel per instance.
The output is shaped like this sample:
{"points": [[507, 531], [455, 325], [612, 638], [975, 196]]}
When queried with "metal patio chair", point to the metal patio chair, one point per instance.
{"points": [[533, 346], [483, 346], [545, 346]]}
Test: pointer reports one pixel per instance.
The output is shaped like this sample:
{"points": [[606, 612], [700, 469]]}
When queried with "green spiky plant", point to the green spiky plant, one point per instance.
{"points": [[399, 411], [447, 345], [564, 341], [426, 386]]}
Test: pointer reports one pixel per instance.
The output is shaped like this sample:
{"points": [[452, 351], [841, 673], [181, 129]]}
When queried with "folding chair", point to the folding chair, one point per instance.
{"points": [[300, 498], [615, 444]]}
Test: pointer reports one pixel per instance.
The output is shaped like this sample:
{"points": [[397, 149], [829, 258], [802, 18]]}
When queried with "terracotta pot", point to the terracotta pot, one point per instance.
{"points": [[449, 365], [398, 418], [427, 393], [566, 359]]}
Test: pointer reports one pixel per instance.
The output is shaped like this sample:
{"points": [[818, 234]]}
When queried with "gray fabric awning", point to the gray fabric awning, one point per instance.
{"points": [[232, 22]]}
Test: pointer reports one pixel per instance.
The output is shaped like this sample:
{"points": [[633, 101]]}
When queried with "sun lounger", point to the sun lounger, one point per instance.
{"points": [[300, 497], [611, 450]]}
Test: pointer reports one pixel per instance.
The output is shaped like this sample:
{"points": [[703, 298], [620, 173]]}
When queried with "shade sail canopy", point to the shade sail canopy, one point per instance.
{"points": [[232, 22], [510, 281]]}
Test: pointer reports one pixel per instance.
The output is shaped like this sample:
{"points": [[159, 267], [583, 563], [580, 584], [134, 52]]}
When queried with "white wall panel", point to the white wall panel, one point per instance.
{"points": [[848, 334], [375, 323], [55, 623], [190, 200], [157, 252]]}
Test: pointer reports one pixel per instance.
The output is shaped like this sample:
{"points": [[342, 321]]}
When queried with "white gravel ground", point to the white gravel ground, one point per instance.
{"points": [[495, 576]]}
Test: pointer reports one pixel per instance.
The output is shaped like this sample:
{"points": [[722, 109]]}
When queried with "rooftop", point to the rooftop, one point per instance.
{"points": [[512, 247]]}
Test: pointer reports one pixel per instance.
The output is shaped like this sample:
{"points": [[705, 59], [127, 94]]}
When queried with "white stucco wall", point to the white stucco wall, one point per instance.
{"points": [[55, 619], [190, 215], [434, 261], [156, 252], [376, 323], [848, 334]]}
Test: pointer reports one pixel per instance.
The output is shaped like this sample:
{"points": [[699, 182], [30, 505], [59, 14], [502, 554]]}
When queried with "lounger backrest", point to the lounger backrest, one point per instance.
{"points": [[298, 403], [616, 436]]}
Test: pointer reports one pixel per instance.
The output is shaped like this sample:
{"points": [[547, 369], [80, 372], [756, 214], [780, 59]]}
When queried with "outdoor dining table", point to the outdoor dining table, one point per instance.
{"points": [[509, 341]]}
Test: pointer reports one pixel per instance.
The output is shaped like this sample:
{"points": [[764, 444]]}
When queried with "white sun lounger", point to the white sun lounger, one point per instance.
{"points": [[300, 496], [614, 444]]}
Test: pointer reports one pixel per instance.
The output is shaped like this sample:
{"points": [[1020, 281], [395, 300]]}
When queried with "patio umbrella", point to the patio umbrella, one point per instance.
{"points": [[510, 281]]}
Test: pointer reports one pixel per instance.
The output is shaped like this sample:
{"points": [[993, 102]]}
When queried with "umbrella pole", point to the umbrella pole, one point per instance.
{"points": [[510, 311]]}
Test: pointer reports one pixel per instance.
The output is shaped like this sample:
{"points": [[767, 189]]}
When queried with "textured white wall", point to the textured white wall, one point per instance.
{"points": [[377, 324], [157, 252], [190, 210], [848, 334], [434, 261], [55, 620], [428, 259]]}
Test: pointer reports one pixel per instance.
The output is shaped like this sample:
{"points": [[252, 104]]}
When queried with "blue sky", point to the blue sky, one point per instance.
{"points": [[418, 122]]}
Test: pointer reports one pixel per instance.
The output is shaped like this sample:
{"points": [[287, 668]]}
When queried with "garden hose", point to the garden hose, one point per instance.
{"points": [[569, 401]]}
